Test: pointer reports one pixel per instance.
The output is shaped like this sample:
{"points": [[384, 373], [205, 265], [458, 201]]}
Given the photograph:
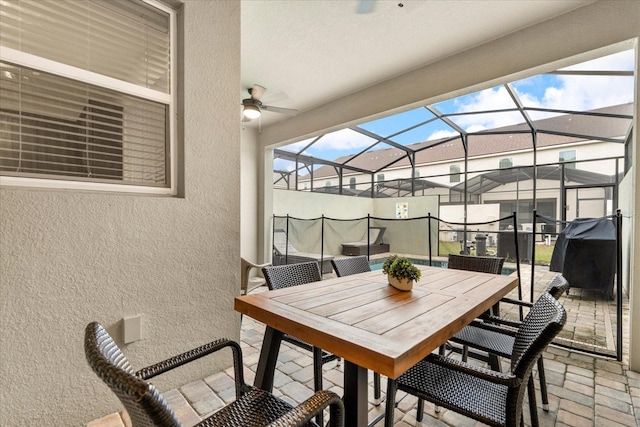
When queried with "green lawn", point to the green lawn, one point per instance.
{"points": [[543, 252]]}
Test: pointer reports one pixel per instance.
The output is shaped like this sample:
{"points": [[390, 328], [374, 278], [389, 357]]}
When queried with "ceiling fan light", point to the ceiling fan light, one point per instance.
{"points": [[251, 111]]}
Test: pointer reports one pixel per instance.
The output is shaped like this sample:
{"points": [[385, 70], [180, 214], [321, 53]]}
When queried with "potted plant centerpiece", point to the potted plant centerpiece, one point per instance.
{"points": [[400, 272]]}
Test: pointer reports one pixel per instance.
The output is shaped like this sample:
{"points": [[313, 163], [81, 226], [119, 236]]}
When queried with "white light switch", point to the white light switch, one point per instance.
{"points": [[132, 328]]}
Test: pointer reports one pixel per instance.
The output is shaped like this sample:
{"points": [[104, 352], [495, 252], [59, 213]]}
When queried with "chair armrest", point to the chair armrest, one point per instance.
{"points": [[516, 302], [303, 413], [502, 321], [197, 353], [494, 328], [473, 370], [258, 266]]}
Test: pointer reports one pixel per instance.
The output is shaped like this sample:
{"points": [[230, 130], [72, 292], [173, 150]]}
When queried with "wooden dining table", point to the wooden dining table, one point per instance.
{"points": [[371, 324]]}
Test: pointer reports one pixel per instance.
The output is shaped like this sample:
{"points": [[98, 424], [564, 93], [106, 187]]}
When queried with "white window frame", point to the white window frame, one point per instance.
{"points": [[45, 65]]}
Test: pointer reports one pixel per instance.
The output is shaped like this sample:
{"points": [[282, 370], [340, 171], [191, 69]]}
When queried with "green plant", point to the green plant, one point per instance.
{"points": [[401, 268]]}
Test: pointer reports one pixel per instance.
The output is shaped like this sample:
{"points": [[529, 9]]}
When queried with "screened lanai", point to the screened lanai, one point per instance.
{"points": [[530, 155], [576, 119]]}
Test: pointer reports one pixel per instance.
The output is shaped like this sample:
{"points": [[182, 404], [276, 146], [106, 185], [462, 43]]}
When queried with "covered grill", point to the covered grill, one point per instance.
{"points": [[585, 254]]}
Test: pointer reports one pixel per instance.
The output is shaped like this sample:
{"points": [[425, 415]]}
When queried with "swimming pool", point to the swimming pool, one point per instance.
{"points": [[376, 264]]}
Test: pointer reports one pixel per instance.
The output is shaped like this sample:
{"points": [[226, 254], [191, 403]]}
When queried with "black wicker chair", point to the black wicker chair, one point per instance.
{"points": [[147, 407], [284, 276], [498, 340], [347, 267], [351, 265], [481, 264], [491, 397]]}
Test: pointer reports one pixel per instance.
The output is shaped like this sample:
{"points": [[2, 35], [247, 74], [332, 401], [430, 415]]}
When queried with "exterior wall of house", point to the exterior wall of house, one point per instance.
{"points": [[302, 204], [250, 185], [439, 171], [544, 47], [68, 257]]}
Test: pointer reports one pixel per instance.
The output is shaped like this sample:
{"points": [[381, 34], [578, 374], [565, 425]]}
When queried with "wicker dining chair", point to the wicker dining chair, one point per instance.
{"points": [[284, 276], [350, 265], [147, 407], [480, 264], [493, 337], [491, 397], [347, 267]]}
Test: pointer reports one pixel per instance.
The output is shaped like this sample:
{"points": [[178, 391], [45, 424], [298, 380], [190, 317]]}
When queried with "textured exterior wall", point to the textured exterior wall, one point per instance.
{"points": [[249, 182], [68, 258]]}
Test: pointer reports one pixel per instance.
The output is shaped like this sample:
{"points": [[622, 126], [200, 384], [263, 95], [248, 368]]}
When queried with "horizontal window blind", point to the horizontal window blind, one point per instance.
{"points": [[123, 39], [54, 126]]}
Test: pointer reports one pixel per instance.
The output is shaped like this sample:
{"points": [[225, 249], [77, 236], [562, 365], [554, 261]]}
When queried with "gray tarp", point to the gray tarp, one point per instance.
{"points": [[585, 254]]}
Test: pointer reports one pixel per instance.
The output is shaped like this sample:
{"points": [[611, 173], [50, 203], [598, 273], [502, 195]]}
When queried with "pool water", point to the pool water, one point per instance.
{"points": [[376, 264]]}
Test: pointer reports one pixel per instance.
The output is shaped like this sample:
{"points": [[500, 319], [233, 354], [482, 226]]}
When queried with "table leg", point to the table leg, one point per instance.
{"points": [[355, 395], [268, 358]]}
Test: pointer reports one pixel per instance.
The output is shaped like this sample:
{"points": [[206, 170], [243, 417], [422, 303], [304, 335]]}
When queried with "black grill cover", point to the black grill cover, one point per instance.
{"points": [[585, 254]]}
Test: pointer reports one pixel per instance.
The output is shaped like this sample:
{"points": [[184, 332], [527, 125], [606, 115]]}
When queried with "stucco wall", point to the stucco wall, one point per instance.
{"points": [[403, 236], [68, 258], [249, 183], [302, 204]]}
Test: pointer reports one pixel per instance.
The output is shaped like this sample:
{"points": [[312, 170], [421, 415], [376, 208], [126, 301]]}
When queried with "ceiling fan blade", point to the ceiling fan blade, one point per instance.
{"points": [[257, 91], [365, 6], [287, 111]]}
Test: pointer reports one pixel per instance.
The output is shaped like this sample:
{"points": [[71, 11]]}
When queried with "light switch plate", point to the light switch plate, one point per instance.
{"points": [[132, 328]]}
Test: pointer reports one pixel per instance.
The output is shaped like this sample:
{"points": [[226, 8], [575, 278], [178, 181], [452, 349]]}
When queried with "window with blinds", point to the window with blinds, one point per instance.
{"points": [[86, 94]]}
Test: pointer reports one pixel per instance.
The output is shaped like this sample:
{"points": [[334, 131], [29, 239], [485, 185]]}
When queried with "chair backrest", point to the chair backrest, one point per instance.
{"points": [[351, 265], [284, 276], [543, 322], [145, 405], [541, 325], [375, 235], [481, 264], [558, 286]]}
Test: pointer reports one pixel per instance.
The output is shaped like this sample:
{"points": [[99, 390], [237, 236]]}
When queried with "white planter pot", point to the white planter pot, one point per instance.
{"points": [[402, 284]]}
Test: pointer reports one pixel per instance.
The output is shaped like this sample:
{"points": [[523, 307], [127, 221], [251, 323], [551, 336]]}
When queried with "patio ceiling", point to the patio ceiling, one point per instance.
{"points": [[308, 53]]}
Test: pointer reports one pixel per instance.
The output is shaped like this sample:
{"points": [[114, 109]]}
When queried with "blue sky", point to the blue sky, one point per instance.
{"points": [[566, 92]]}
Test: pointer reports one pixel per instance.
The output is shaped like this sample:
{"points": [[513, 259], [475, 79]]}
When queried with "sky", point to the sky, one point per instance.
{"points": [[565, 92]]}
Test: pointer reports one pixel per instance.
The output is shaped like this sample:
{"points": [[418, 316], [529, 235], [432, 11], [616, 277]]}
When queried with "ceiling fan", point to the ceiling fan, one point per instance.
{"points": [[252, 107]]}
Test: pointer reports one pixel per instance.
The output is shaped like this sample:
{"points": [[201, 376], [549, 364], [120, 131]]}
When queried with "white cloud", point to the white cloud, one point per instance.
{"points": [[441, 134], [283, 165], [621, 61], [565, 92], [344, 140], [489, 99]]}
